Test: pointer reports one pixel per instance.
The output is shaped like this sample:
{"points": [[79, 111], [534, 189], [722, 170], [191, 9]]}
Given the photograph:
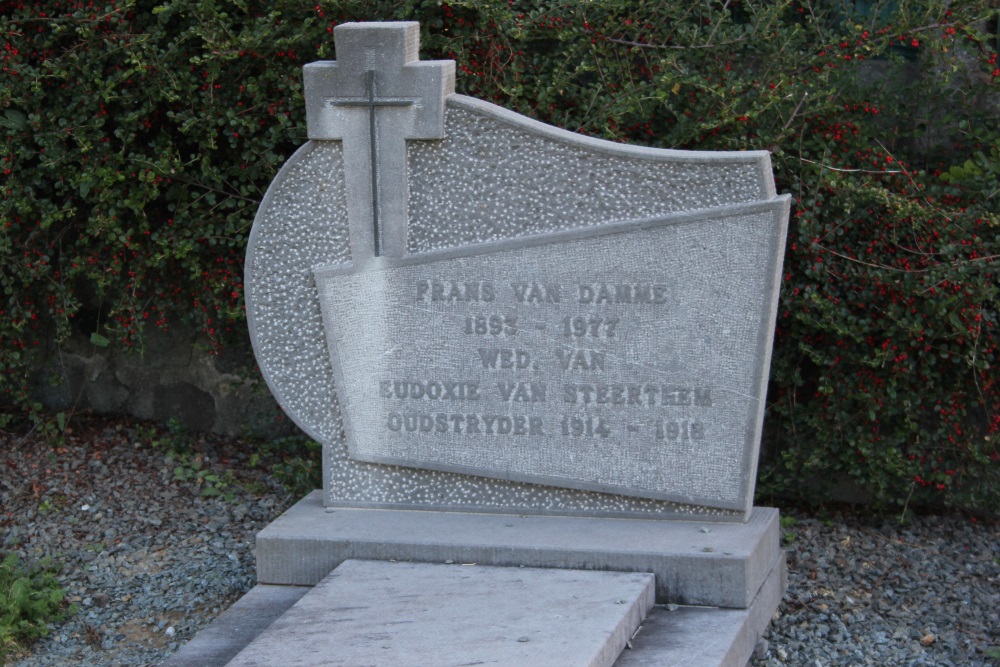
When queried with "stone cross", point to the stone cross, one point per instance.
{"points": [[374, 97]]}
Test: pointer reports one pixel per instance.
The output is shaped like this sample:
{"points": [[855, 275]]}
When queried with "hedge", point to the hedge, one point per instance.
{"points": [[138, 139]]}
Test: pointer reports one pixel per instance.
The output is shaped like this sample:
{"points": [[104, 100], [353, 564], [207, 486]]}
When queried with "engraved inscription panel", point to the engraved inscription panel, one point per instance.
{"points": [[629, 359]]}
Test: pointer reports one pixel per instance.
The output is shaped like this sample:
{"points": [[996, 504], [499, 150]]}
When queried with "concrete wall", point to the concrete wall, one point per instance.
{"points": [[173, 377]]}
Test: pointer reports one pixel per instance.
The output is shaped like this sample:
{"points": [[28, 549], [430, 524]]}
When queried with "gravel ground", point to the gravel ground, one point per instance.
{"points": [[148, 560], [869, 591]]}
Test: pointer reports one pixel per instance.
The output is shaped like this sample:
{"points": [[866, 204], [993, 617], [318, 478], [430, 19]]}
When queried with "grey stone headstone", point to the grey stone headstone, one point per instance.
{"points": [[474, 311]]}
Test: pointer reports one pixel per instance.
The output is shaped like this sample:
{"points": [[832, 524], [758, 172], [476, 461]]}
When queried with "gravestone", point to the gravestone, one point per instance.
{"points": [[512, 341], [473, 311]]}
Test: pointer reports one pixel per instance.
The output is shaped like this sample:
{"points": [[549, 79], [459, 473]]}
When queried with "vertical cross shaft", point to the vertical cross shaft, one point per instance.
{"points": [[372, 103]]}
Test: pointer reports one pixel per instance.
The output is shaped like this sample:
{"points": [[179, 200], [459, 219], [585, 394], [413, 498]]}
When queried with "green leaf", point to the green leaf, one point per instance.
{"points": [[14, 119], [99, 340]]}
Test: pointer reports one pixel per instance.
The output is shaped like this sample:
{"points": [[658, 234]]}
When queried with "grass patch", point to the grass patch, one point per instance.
{"points": [[30, 599]]}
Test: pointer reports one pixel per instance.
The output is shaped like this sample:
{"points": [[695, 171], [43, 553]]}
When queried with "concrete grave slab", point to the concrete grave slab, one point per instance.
{"points": [[410, 614], [671, 635], [701, 563]]}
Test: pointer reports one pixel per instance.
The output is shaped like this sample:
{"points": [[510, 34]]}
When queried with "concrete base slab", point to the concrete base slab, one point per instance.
{"points": [[412, 614], [739, 566], [695, 563]]}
